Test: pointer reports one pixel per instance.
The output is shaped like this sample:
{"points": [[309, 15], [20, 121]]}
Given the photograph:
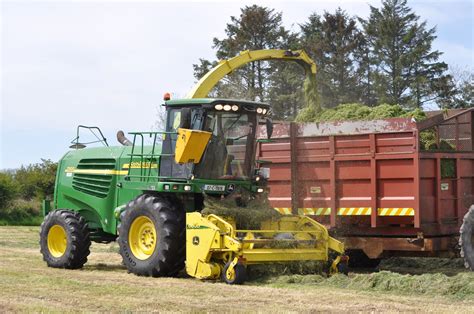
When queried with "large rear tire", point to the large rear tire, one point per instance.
{"points": [[152, 236], [64, 239], [466, 239]]}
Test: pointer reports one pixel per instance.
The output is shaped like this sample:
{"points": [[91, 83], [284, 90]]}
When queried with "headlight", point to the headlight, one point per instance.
{"points": [[218, 107], [235, 107], [259, 110], [264, 111], [259, 190], [227, 107]]}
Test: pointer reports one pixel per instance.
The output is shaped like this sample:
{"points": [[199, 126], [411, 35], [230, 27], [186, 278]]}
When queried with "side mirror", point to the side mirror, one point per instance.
{"points": [[269, 124], [185, 122]]}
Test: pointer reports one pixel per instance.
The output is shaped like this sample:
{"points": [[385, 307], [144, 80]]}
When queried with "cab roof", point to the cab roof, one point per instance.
{"points": [[213, 101]]}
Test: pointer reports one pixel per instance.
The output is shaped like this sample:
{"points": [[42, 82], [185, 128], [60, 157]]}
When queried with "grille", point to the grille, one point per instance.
{"points": [[95, 184]]}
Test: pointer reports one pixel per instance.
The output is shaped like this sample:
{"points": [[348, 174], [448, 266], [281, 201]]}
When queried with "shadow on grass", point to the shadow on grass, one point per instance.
{"points": [[104, 267]]}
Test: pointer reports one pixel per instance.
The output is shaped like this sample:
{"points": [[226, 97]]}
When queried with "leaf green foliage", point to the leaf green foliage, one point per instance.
{"points": [[386, 58], [333, 40], [8, 189], [21, 192], [21, 212], [355, 112], [37, 180]]}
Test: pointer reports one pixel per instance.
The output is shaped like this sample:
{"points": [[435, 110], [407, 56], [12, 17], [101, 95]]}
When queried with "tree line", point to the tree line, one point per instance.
{"points": [[385, 58], [23, 189]]}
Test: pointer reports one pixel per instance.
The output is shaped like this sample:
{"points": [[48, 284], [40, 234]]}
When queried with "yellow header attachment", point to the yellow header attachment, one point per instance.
{"points": [[208, 81]]}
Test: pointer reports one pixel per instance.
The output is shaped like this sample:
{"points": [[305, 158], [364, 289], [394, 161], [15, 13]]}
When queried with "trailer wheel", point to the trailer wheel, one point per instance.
{"points": [[466, 239], [152, 236], [235, 277], [64, 239]]}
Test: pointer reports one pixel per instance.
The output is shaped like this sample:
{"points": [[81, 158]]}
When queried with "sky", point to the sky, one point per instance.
{"points": [[109, 63]]}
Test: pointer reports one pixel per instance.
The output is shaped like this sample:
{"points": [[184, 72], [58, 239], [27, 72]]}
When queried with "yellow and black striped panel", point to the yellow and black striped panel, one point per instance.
{"points": [[396, 211], [349, 211], [354, 211], [283, 210], [318, 211]]}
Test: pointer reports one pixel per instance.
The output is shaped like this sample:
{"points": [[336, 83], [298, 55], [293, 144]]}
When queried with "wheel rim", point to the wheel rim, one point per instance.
{"points": [[57, 241], [142, 237]]}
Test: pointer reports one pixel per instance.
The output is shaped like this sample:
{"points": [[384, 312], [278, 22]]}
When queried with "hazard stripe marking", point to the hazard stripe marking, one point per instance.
{"points": [[350, 211], [396, 211]]}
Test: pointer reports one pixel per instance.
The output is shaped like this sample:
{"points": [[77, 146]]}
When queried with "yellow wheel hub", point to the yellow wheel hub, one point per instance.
{"points": [[142, 237], [230, 274], [57, 241]]}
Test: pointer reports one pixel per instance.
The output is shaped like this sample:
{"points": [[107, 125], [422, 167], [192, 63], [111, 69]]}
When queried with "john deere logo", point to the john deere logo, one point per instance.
{"points": [[230, 187], [195, 240]]}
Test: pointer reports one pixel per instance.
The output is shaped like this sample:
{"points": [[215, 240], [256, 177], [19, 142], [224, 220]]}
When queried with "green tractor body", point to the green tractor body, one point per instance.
{"points": [[97, 182]]}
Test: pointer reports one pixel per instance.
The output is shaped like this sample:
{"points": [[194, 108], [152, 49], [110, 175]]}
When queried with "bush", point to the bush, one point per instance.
{"points": [[8, 189], [20, 209], [37, 180]]}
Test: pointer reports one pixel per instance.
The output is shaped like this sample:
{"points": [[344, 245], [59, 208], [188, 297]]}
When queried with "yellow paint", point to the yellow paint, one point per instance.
{"points": [[354, 211], [57, 241], [190, 145], [396, 211], [212, 241], [140, 165], [208, 81], [97, 171], [142, 237], [349, 211]]}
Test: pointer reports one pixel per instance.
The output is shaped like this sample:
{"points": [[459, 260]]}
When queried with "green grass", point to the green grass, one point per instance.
{"points": [[27, 221], [104, 285]]}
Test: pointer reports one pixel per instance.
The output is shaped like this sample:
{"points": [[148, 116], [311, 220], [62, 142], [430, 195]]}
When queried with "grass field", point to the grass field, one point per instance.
{"points": [[26, 284]]}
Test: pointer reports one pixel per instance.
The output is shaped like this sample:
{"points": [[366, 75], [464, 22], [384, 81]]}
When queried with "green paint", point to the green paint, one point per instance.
{"points": [[97, 182]]}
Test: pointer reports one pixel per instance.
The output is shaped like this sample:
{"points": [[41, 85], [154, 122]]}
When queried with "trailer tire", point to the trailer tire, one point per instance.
{"points": [[64, 239], [466, 239], [152, 236]]}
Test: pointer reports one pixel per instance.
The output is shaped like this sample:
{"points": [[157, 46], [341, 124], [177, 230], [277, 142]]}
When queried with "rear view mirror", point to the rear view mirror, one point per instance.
{"points": [[269, 125], [185, 122]]}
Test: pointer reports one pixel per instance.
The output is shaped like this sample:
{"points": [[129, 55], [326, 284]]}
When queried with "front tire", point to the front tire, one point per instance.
{"points": [[466, 239], [64, 239], [152, 236]]}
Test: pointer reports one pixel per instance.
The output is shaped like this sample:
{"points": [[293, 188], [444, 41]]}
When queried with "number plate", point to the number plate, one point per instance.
{"points": [[214, 188]]}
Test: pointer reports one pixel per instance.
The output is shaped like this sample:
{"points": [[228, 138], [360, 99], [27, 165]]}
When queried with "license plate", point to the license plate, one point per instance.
{"points": [[214, 188]]}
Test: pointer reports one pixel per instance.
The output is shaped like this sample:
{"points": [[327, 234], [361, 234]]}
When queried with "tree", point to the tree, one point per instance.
{"points": [[256, 28], [408, 71], [334, 42], [8, 189], [462, 93], [37, 180]]}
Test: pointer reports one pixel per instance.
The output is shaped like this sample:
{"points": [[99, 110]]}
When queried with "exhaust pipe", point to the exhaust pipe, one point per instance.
{"points": [[122, 139]]}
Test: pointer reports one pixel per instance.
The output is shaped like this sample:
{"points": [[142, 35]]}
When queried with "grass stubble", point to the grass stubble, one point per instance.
{"points": [[26, 284]]}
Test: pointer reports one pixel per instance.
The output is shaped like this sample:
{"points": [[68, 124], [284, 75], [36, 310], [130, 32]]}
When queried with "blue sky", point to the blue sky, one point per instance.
{"points": [[108, 63]]}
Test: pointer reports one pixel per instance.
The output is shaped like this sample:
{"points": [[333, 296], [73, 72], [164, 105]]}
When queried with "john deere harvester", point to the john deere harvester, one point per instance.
{"points": [[148, 195]]}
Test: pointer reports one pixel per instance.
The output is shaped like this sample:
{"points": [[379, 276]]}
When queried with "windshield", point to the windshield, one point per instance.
{"points": [[230, 152]]}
